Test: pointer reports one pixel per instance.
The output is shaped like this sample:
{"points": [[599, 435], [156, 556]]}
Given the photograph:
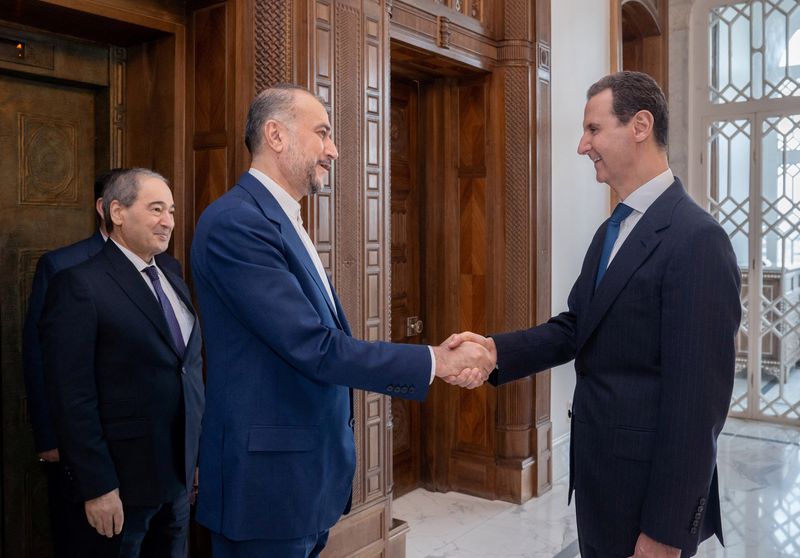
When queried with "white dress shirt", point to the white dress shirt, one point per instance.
{"points": [[291, 208], [182, 313], [640, 200]]}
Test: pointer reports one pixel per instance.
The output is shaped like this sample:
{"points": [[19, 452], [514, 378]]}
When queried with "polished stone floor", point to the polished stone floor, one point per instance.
{"points": [[760, 482]]}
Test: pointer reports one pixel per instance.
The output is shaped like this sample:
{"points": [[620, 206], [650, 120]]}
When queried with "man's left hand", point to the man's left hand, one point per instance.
{"points": [[649, 548]]}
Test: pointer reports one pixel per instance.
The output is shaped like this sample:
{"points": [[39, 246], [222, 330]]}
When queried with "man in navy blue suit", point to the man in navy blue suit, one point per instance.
{"points": [[277, 451], [651, 325], [121, 354], [63, 511]]}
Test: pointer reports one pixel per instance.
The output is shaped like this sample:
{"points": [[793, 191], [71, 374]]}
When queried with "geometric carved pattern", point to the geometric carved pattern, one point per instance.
{"points": [[273, 19], [755, 51], [48, 161], [729, 146], [349, 200], [780, 232], [518, 278]]}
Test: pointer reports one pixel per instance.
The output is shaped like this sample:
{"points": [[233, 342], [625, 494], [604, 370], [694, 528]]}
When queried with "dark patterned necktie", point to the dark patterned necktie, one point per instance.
{"points": [[166, 307]]}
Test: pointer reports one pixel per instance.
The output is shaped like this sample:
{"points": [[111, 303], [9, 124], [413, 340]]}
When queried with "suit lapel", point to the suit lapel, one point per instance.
{"points": [[643, 240], [274, 212], [125, 274]]}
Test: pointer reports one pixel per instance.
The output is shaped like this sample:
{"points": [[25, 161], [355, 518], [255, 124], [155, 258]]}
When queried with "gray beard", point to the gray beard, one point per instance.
{"points": [[314, 186]]}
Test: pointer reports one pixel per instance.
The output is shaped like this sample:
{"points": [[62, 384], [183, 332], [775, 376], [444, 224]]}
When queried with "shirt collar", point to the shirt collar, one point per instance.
{"points": [[289, 205], [137, 262], [644, 196]]}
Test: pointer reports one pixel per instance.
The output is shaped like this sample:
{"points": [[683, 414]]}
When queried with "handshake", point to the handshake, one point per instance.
{"points": [[465, 359]]}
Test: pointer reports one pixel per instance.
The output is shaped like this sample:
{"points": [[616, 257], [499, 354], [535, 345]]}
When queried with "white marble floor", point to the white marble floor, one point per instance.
{"points": [[759, 467]]}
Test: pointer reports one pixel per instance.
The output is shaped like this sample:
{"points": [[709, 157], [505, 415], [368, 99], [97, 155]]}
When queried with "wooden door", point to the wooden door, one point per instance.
{"points": [[407, 312], [47, 151]]}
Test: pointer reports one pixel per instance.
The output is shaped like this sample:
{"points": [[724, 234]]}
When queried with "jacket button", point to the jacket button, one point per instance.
{"points": [[390, 389], [693, 530], [698, 515], [352, 422], [183, 370], [702, 501], [695, 523], [404, 389], [411, 389], [700, 508]]}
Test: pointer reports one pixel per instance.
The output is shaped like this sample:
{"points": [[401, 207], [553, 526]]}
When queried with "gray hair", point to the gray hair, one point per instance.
{"points": [[123, 187], [274, 103]]}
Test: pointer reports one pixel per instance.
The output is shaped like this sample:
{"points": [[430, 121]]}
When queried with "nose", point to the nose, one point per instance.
{"points": [[168, 220], [330, 150], [584, 146]]}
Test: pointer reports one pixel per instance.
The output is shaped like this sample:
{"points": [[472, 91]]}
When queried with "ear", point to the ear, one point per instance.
{"points": [[98, 206], [275, 135], [116, 213], [642, 125]]}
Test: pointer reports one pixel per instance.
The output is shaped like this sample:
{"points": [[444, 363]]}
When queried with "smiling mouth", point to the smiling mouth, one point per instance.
{"points": [[325, 165], [594, 160]]}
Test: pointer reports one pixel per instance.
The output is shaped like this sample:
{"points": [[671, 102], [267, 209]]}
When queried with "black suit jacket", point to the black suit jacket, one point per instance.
{"points": [[126, 406], [49, 264], [654, 355]]}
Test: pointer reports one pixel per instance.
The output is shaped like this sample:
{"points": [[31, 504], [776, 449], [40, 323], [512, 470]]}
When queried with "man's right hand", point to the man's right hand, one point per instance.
{"points": [[51, 456], [105, 513], [466, 366]]}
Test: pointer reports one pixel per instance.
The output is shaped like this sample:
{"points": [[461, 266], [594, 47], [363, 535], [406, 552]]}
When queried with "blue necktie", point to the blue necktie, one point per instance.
{"points": [[166, 307], [612, 232]]}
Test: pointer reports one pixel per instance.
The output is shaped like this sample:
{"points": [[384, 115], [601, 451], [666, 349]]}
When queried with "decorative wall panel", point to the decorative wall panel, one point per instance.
{"points": [[48, 161]]}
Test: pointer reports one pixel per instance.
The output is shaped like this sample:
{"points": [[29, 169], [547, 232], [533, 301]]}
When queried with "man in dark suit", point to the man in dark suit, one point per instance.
{"points": [[651, 326], [123, 369], [277, 450], [63, 511]]}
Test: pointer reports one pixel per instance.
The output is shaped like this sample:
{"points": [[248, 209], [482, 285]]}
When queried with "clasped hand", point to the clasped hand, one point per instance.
{"points": [[465, 359]]}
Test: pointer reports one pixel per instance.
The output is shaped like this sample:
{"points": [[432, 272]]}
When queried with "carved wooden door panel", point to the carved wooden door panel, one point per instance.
{"points": [[407, 313], [47, 146]]}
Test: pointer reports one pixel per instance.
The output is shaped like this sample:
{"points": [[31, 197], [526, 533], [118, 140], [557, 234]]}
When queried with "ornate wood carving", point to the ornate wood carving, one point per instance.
{"points": [[119, 57], [273, 43], [443, 34], [48, 161]]}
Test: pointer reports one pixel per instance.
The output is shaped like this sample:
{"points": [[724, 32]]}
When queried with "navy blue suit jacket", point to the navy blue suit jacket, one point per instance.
{"points": [[277, 451], [654, 355], [48, 265], [125, 405]]}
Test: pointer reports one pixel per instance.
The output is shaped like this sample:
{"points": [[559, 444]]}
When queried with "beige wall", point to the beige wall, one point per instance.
{"points": [[580, 57]]}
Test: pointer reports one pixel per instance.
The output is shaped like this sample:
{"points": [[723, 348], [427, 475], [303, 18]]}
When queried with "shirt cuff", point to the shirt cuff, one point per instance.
{"points": [[433, 364]]}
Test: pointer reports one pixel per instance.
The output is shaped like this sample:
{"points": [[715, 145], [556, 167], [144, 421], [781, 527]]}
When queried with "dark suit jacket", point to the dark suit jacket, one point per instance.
{"points": [[277, 452], [48, 265], [654, 355], [126, 406]]}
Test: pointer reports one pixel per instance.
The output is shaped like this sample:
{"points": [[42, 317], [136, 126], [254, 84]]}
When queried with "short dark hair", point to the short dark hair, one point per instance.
{"points": [[124, 187], [632, 92], [276, 102]]}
